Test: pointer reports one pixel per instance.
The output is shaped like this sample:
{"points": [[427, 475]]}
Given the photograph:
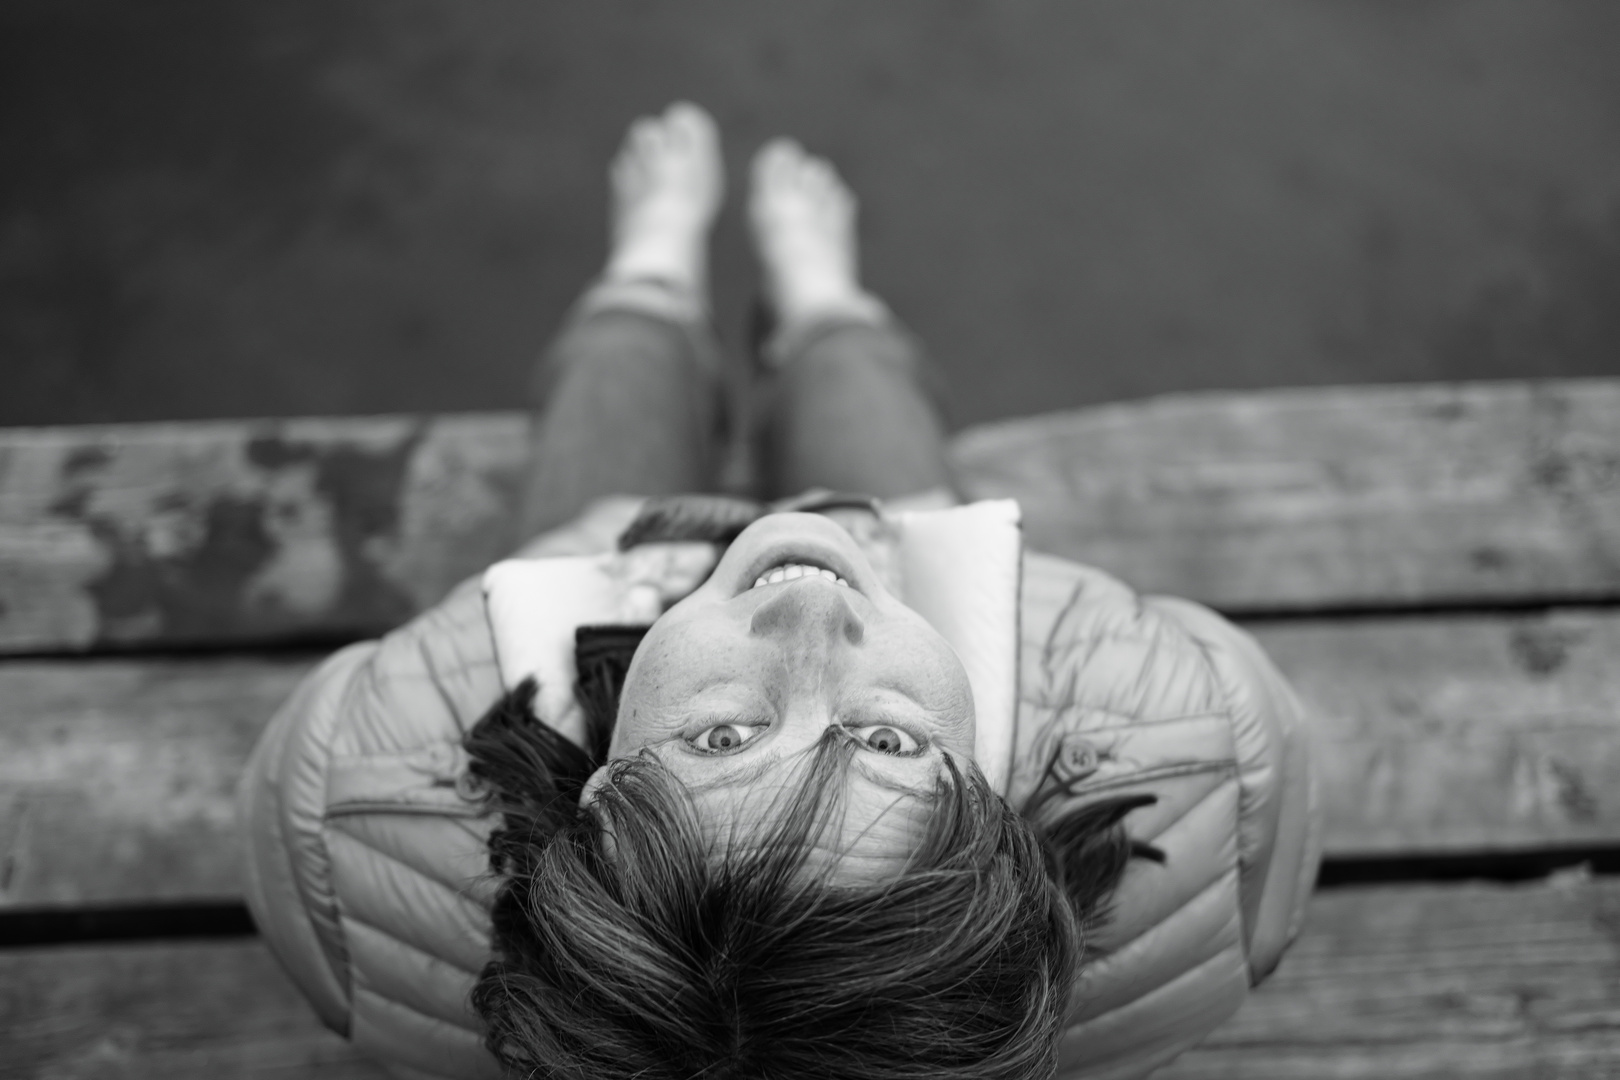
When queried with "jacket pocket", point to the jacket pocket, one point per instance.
{"points": [[431, 779]]}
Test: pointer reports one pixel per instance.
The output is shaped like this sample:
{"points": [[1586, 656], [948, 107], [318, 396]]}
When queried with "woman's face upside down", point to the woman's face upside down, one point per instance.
{"points": [[733, 687]]}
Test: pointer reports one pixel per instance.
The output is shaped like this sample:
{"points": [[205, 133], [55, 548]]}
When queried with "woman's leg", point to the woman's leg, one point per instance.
{"points": [[848, 403], [630, 405], [629, 395]]}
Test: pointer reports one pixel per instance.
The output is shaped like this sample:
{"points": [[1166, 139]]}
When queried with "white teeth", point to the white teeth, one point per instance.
{"points": [[794, 571]]}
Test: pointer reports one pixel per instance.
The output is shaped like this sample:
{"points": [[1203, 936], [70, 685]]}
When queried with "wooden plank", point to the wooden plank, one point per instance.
{"points": [[174, 534], [1461, 733], [117, 777], [1345, 497], [163, 1012], [1412, 982], [259, 531], [1394, 983], [1438, 735]]}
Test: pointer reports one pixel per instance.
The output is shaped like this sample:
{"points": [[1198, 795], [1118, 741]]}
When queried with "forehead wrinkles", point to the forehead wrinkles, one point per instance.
{"points": [[743, 778], [864, 809]]}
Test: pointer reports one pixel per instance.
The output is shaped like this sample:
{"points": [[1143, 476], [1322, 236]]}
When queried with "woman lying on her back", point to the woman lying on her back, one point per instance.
{"points": [[698, 787]]}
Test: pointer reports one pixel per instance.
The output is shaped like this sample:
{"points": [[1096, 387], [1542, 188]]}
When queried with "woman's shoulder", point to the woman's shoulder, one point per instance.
{"points": [[365, 846], [1100, 661], [426, 682], [1054, 588], [1101, 666], [1089, 640], [1125, 694]]}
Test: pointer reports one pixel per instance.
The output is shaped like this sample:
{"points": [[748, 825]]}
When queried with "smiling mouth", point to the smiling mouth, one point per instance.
{"points": [[793, 571]]}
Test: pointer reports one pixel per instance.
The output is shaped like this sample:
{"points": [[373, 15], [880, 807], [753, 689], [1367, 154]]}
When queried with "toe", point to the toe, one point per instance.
{"points": [[665, 137], [821, 180], [773, 159], [817, 177], [642, 142], [629, 165], [817, 183], [678, 129], [804, 168], [834, 190], [771, 171], [693, 123], [695, 134]]}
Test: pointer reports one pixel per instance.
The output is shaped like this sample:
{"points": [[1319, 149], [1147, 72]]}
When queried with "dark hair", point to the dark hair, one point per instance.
{"points": [[622, 948]]}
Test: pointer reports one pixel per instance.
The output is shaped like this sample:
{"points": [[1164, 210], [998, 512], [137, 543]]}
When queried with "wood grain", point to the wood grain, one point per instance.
{"points": [[162, 1012], [1327, 498], [1401, 983], [1394, 983], [1436, 735], [1461, 733], [253, 531], [1386, 497], [117, 777]]}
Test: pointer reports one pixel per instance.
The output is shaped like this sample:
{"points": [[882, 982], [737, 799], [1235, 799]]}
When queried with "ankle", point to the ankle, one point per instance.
{"points": [[794, 330], [798, 299], [674, 255], [668, 298]]}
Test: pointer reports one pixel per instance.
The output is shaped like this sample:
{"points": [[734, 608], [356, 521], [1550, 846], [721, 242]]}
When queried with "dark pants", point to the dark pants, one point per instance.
{"points": [[631, 397]]}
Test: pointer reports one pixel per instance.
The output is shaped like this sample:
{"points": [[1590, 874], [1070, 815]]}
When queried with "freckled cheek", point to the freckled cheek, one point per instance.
{"points": [[920, 661], [654, 683], [685, 658], [950, 677], [943, 687], [672, 648]]}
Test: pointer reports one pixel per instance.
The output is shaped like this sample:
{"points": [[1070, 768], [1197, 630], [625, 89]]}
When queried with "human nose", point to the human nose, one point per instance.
{"points": [[809, 609]]}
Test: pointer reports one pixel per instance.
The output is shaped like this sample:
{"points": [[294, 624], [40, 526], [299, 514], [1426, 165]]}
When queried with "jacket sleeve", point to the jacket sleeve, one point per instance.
{"points": [[285, 868], [365, 865], [1279, 818], [1163, 697]]}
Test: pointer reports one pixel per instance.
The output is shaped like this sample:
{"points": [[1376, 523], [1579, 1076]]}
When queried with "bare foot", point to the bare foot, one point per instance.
{"points": [[668, 180], [803, 221]]}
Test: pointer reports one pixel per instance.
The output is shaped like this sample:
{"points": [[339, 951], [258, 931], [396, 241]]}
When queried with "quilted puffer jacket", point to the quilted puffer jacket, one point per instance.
{"points": [[367, 873]]}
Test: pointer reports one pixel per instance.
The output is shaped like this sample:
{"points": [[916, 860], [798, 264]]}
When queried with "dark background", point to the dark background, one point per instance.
{"points": [[233, 208]]}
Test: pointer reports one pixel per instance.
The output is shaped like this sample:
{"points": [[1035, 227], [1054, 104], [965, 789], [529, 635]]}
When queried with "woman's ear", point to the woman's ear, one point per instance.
{"points": [[588, 793]]}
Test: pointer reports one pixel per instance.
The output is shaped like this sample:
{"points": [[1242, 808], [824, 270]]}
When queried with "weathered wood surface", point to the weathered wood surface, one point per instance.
{"points": [[209, 533], [184, 1011], [1344, 497], [1396, 983], [1401, 983], [1454, 734], [1461, 733], [261, 531], [117, 777]]}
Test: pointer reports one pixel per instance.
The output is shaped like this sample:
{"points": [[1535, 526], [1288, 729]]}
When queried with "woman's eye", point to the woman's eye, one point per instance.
{"points": [[723, 738], [887, 740]]}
